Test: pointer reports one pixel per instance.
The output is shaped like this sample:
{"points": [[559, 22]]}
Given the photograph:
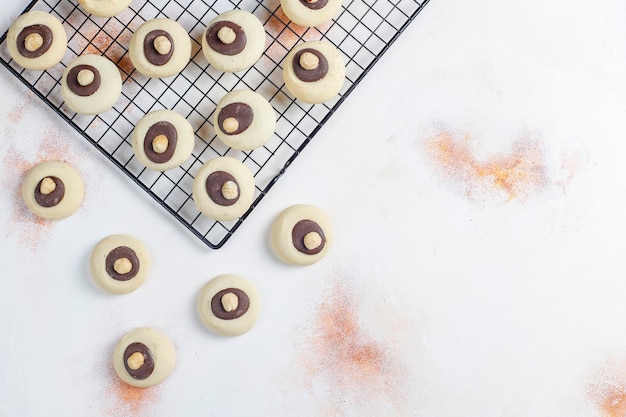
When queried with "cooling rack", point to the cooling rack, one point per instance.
{"points": [[363, 31]]}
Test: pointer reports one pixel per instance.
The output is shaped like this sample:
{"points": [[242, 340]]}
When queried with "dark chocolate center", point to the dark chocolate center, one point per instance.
{"points": [[120, 253], [217, 45], [42, 30], [152, 55], [300, 230], [241, 112], [214, 184], [53, 198], [83, 90], [242, 307], [145, 370], [160, 128], [314, 5], [314, 74]]}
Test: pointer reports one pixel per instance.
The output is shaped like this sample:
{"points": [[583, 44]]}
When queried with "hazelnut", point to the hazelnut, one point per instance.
{"points": [[312, 240], [230, 190], [122, 266], [309, 61], [162, 45], [226, 35], [135, 361], [230, 302], [47, 186], [230, 125], [85, 77], [160, 143], [33, 42]]}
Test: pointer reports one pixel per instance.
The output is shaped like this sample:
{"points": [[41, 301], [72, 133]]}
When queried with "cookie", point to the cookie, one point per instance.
{"points": [[37, 40], [162, 140], [244, 120], [301, 235], [309, 13], [104, 8], [119, 264], [160, 48], [53, 190], [314, 71], [144, 357], [91, 84], [229, 305], [233, 41], [223, 188]]}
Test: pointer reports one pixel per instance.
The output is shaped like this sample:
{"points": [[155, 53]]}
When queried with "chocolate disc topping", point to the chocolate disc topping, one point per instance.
{"points": [[138, 356], [314, 4], [153, 55], [154, 140], [54, 196], [118, 254], [242, 304], [308, 237], [232, 48], [75, 85], [310, 75], [241, 112], [32, 49], [215, 188]]}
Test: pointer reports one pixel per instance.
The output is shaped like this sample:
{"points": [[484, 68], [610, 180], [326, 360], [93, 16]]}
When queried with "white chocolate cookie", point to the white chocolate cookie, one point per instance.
{"points": [[37, 40], [119, 264], [223, 188], [244, 120], [104, 8], [53, 190], [229, 305], [233, 41], [91, 84], [144, 357], [160, 48], [314, 71], [309, 13], [301, 235], [162, 140]]}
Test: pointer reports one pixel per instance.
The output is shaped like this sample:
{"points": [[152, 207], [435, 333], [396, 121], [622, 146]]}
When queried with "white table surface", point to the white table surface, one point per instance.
{"points": [[476, 179]]}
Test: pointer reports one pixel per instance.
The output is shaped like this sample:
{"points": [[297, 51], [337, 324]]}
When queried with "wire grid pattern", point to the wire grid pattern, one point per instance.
{"points": [[363, 31]]}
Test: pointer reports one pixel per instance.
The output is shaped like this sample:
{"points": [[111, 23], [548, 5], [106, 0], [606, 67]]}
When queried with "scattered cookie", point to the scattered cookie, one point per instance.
{"points": [[144, 357], [244, 120], [104, 8], [160, 48], [301, 235], [229, 305], [162, 140], [37, 40], [223, 188], [309, 13], [233, 41], [53, 190], [91, 84], [314, 71], [119, 264]]}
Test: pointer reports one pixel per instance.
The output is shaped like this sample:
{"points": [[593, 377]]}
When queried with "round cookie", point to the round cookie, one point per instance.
{"points": [[309, 13], [53, 190], [244, 120], [223, 188], [301, 235], [162, 140], [37, 40], [119, 264], [233, 41], [229, 305], [91, 84], [104, 8], [144, 357], [160, 48], [314, 71]]}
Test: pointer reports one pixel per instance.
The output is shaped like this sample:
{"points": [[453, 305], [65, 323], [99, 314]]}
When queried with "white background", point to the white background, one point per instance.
{"points": [[459, 296]]}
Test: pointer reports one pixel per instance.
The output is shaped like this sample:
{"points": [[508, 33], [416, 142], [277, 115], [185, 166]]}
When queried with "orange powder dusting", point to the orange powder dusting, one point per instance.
{"points": [[126, 400], [515, 174], [99, 43], [16, 114], [609, 393]]}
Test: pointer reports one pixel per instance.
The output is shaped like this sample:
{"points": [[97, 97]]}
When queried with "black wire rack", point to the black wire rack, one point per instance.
{"points": [[363, 31]]}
